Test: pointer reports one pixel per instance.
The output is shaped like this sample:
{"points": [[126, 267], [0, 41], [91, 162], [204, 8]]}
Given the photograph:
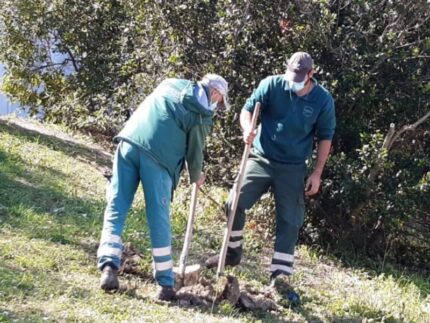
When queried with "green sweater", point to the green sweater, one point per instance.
{"points": [[289, 123], [171, 126]]}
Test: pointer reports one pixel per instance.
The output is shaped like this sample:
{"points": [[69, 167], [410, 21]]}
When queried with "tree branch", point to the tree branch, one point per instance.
{"points": [[389, 140], [50, 65], [407, 128], [72, 58]]}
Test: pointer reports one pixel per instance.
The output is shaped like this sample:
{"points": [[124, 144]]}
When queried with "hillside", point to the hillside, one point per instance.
{"points": [[51, 208]]}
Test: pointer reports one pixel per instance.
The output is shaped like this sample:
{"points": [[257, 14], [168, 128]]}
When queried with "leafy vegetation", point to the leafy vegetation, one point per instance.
{"points": [[89, 64]]}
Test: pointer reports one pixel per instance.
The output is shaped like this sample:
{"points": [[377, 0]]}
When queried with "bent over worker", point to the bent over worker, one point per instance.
{"points": [[294, 109], [167, 130]]}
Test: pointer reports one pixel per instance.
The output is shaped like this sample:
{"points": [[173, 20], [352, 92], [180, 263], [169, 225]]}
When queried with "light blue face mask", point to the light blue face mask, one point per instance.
{"points": [[297, 86]]}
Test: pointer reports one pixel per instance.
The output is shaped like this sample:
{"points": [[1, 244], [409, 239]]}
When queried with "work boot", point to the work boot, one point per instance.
{"points": [[166, 293], [212, 262], [109, 279]]}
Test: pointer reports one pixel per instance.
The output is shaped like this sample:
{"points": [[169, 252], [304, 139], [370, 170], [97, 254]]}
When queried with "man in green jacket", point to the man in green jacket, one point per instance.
{"points": [[165, 132], [294, 110]]}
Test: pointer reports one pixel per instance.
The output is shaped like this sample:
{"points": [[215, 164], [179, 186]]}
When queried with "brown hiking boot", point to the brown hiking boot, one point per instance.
{"points": [[166, 293], [109, 279], [212, 262]]}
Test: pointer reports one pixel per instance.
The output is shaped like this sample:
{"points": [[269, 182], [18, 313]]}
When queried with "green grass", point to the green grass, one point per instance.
{"points": [[51, 212]]}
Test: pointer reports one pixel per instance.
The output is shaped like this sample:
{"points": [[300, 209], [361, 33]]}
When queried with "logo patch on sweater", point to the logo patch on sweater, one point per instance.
{"points": [[308, 111]]}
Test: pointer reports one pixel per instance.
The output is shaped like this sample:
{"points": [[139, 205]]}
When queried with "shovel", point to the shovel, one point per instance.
{"points": [[188, 275], [236, 190]]}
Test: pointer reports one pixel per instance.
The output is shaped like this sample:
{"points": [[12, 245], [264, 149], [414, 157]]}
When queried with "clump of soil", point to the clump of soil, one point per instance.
{"points": [[253, 301], [130, 261], [206, 291], [228, 289]]}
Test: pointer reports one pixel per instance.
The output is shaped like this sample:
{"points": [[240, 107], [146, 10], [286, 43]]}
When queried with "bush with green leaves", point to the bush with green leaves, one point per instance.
{"points": [[90, 63]]}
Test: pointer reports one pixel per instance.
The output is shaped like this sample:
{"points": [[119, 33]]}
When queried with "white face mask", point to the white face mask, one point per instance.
{"points": [[297, 86], [213, 106]]}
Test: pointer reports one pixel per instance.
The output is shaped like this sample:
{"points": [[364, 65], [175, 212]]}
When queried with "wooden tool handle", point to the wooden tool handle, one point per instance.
{"points": [[236, 190], [189, 232]]}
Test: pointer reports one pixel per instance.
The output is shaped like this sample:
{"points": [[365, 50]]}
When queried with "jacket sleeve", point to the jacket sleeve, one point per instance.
{"points": [[326, 122], [196, 142]]}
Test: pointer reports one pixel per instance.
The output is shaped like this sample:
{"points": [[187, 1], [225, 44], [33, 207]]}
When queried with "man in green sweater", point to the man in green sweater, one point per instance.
{"points": [[167, 131], [294, 110]]}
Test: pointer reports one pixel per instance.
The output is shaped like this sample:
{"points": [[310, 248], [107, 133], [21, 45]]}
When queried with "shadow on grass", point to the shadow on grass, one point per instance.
{"points": [[374, 317], [31, 287], [34, 201], [31, 315], [236, 313], [68, 147], [402, 274], [42, 211], [41, 202]]}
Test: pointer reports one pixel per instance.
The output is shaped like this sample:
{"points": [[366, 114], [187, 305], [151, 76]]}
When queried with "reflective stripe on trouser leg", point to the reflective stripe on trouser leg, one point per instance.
{"points": [[123, 185], [236, 239], [285, 242], [162, 260], [110, 249], [157, 187], [282, 263], [234, 249], [288, 190], [256, 182]]}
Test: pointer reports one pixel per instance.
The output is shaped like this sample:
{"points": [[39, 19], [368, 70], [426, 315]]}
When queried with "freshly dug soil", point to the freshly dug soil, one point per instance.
{"points": [[205, 291]]}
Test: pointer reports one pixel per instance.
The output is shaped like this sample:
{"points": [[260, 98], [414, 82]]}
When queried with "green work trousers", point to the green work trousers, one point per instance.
{"points": [[287, 184]]}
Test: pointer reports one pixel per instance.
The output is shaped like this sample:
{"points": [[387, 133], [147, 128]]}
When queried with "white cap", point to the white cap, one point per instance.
{"points": [[220, 84]]}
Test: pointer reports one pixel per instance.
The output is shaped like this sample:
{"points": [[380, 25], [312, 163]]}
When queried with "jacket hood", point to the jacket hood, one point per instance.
{"points": [[191, 103]]}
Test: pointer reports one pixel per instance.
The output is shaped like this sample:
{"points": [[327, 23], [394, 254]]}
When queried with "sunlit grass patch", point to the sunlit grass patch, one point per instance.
{"points": [[52, 199]]}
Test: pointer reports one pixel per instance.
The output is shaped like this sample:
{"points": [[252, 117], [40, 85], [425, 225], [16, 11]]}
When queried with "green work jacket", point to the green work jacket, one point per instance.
{"points": [[171, 126]]}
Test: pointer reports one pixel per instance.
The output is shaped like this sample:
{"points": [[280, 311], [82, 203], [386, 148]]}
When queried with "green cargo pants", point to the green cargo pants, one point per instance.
{"points": [[287, 183]]}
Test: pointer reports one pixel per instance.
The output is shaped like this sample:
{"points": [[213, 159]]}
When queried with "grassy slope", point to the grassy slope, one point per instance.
{"points": [[51, 206]]}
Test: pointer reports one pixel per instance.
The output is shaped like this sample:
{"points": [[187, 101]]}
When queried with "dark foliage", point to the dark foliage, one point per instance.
{"points": [[89, 64]]}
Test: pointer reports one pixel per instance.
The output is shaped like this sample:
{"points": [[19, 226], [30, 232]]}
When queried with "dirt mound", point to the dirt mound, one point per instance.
{"points": [[208, 291]]}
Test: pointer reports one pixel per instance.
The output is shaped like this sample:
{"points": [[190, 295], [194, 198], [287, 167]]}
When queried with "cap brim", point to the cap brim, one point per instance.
{"points": [[295, 76]]}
